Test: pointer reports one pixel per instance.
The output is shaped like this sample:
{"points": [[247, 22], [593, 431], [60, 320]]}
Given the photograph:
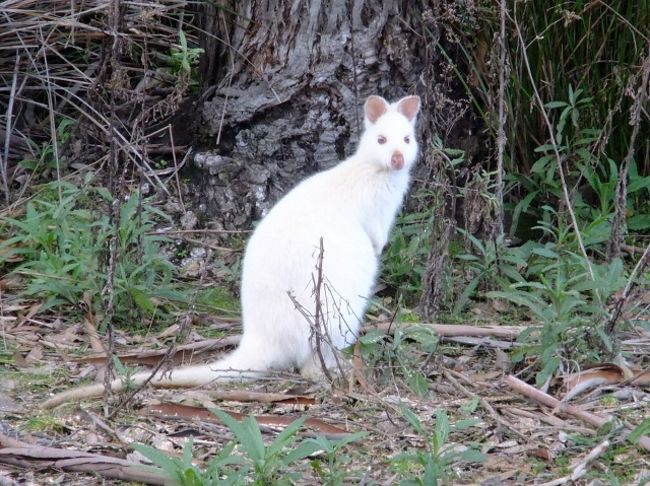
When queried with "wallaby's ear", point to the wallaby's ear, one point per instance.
{"points": [[375, 107], [409, 106]]}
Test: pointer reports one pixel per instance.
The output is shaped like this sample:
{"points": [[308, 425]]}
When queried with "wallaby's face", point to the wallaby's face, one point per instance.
{"points": [[389, 139]]}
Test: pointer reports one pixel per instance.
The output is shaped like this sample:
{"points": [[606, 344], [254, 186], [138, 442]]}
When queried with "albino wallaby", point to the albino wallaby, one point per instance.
{"points": [[352, 208]]}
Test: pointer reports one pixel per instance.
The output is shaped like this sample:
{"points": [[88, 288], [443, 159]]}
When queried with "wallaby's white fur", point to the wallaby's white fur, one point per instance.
{"points": [[352, 207]]}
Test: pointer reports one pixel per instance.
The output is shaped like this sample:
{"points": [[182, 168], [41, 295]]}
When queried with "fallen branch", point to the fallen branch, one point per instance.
{"points": [[580, 469], [545, 399], [27, 456], [454, 330]]}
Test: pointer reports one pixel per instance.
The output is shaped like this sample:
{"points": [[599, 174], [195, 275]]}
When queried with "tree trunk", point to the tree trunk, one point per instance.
{"points": [[290, 79], [287, 84]]}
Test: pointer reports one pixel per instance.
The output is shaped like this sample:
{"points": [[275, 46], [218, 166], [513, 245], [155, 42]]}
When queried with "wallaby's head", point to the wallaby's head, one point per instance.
{"points": [[389, 138]]}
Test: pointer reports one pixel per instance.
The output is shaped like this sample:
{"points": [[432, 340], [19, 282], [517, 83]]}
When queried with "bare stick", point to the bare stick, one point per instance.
{"points": [[317, 329], [177, 169], [620, 201], [501, 133], [454, 330], [545, 399], [114, 217], [620, 302], [580, 469], [21, 454], [4, 168]]}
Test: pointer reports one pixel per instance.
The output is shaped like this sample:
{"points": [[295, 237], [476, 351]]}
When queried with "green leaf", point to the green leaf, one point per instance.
{"points": [[463, 299], [545, 252], [287, 434], [413, 420], [642, 429], [302, 450], [521, 206], [247, 432], [555, 104], [442, 428], [104, 193], [251, 439], [547, 371], [373, 336], [418, 383], [187, 452], [638, 183], [471, 455], [511, 272], [142, 300], [464, 424], [167, 464], [639, 222]]}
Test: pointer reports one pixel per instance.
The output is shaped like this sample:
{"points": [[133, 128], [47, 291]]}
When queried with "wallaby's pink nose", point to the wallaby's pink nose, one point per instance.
{"points": [[397, 161]]}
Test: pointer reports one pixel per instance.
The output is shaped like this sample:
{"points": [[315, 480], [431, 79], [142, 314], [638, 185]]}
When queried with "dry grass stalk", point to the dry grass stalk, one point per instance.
{"points": [[53, 68]]}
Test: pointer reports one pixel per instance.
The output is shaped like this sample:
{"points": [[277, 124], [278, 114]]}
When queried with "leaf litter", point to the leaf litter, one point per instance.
{"points": [[527, 436]]}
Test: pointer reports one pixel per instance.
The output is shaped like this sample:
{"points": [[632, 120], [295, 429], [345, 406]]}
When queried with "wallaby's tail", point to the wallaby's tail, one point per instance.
{"points": [[233, 367], [238, 365]]}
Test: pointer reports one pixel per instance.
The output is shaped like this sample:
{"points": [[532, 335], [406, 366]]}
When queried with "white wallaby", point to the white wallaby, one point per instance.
{"points": [[352, 207]]}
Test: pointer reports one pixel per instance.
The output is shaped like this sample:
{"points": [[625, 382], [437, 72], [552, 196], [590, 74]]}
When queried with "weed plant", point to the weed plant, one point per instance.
{"points": [[62, 242], [248, 460], [404, 259], [399, 355], [434, 464], [559, 292]]}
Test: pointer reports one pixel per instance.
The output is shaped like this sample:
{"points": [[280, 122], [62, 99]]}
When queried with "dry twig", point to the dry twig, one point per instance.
{"points": [[545, 399]]}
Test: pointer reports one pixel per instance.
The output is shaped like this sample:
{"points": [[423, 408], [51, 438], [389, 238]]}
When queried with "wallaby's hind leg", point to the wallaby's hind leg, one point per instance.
{"points": [[312, 369]]}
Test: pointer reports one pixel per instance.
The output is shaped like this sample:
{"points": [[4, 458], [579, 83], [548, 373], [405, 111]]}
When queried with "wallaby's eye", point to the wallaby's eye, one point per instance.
{"points": [[381, 140], [407, 139]]}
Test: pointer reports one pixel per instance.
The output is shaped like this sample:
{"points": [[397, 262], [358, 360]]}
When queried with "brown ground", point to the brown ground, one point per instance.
{"points": [[523, 441]]}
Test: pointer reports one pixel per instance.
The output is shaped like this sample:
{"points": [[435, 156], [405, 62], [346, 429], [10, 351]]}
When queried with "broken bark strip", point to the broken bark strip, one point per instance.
{"points": [[190, 412], [28, 456], [259, 397], [545, 399]]}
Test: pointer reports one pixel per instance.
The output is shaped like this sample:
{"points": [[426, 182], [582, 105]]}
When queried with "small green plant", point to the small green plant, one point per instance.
{"points": [[435, 463], [248, 460], [265, 465], [268, 465], [182, 472], [399, 354], [640, 430], [125, 373], [491, 264], [217, 300], [185, 58], [44, 156], [404, 260], [333, 471], [45, 423], [561, 294], [63, 238]]}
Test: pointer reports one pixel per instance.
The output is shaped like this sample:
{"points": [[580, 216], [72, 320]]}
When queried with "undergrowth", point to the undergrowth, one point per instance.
{"points": [[59, 249], [249, 459]]}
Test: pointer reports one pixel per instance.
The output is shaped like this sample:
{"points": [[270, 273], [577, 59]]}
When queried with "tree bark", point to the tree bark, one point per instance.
{"points": [[290, 79]]}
